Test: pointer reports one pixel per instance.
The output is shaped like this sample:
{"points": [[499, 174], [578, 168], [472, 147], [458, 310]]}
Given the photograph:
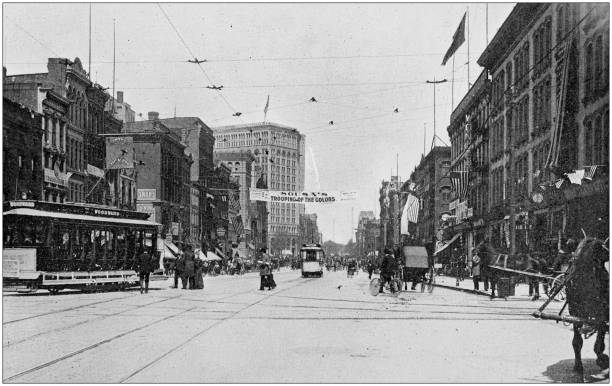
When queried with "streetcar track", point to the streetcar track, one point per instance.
{"points": [[108, 340], [66, 309], [91, 347], [413, 304], [203, 331], [97, 318]]}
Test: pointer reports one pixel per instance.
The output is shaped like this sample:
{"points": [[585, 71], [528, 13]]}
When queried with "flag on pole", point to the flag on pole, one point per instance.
{"points": [[458, 39], [410, 213]]}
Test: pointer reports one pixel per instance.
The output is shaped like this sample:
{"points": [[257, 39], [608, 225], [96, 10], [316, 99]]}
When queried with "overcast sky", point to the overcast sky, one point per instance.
{"points": [[359, 60]]}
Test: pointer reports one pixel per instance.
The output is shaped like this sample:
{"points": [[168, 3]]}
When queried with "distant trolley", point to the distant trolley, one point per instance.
{"points": [[55, 246], [312, 257]]}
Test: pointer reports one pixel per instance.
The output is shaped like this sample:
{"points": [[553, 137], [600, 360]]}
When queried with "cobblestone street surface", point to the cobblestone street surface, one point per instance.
{"points": [[306, 330]]}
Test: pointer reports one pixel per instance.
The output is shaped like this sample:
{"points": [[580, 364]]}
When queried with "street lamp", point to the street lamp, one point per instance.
{"points": [[435, 82]]}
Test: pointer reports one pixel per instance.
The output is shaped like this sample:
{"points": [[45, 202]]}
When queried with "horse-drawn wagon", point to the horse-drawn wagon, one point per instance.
{"points": [[418, 267]]}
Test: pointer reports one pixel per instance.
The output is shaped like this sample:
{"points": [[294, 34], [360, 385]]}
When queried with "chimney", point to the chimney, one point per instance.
{"points": [[153, 115], [119, 96]]}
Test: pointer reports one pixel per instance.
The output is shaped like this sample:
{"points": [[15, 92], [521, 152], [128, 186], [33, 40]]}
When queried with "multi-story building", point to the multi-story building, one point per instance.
{"points": [[73, 111], [120, 109], [199, 140], [162, 169], [309, 229], [469, 135], [280, 152], [22, 167], [241, 166], [367, 233], [432, 187], [549, 66], [390, 212]]}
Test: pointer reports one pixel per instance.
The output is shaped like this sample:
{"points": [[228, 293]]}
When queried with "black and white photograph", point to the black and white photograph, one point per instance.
{"points": [[308, 192]]}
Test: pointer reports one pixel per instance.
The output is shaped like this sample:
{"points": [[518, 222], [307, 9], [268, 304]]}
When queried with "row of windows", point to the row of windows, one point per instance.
{"points": [[596, 69], [521, 171], [542, 107], [597, 131], [521, 120], [540, 155], [75, 154], [497, 185], [542, 45], [521, 68], [283, 228], [496, 138], [254, 138], [76, 193]]}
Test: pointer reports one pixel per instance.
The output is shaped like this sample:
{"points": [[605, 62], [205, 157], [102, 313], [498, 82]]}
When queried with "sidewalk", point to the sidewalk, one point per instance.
{"points": [[467, 285]]}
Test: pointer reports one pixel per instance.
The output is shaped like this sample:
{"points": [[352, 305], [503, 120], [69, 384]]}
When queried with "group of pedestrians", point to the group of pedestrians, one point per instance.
{"points": [[189, 269]]}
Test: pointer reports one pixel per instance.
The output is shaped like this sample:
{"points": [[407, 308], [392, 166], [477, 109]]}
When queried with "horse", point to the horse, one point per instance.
{"points": [[587, 289]]}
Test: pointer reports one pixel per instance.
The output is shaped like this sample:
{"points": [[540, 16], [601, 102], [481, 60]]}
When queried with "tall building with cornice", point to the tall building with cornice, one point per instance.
{"points": [[279, 151]]}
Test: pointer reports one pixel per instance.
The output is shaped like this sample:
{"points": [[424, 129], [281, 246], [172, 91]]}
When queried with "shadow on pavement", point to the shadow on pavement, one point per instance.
{"points": [[563, 371]]}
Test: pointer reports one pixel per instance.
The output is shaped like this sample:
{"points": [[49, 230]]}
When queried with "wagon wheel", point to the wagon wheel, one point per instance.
{"points": [[557, 282], [398, 287], [53, 290]]}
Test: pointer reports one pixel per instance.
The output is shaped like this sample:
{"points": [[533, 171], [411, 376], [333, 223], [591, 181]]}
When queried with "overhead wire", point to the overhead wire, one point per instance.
{"points": [[33, 37], [193, 56]]}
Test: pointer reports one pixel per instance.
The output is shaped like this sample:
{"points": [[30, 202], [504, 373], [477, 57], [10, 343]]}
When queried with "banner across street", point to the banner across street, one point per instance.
{"points": [[301, 197]]}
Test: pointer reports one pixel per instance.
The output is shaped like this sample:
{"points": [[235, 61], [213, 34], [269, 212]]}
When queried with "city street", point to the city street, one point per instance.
{"points": [[306, 330]]}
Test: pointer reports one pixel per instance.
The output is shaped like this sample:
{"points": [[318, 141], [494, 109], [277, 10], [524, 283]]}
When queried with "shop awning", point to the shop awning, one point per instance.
{"points": [[167, 249], [211, 256], [199, 254], [77, 217], [442, 247]]}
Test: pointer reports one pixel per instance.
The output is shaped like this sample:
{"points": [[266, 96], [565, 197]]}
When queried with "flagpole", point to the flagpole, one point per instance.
{"points": [[487, 21], [453, 86], [114, 61], [468, 46]]}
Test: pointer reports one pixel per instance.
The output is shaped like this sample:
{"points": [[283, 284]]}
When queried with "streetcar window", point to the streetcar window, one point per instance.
{"points": [[311, 255]]}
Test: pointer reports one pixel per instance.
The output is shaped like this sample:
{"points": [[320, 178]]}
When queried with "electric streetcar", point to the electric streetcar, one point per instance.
{"points": [[313, 257], [56, 246]]}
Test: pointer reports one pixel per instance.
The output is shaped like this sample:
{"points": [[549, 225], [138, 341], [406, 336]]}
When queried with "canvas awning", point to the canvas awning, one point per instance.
{"points": [[167, 249], [211, 256], [445, 245]]}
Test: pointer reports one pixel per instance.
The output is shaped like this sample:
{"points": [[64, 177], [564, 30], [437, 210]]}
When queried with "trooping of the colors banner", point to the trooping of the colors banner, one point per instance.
{"points": [[301, 197]]}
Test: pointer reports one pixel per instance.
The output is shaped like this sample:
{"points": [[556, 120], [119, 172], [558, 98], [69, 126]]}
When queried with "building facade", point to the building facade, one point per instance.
{"points": [[432, 186], [241, 165], [390, 212], [469, 135], [162, 169], [22, 166], [367, 234], [73, 116], [309, 229], [120, 109], [280, 152], [549, 66]]}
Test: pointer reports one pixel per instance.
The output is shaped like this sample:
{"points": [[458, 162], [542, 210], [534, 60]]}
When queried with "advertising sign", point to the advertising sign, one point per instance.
{"points": [[18, 261], [55, 177], [175, 228], [147, 194], [95, 171], [301, 197], [119, 153]]}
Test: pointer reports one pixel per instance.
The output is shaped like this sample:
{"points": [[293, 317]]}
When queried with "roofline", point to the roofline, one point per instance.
{"points": [[254, 124]]}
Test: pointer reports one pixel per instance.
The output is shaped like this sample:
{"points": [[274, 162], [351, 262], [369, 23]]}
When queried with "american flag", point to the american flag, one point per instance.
{"points": [[559, 183], [460, 182], [234, 202], [589, 172], [237, 224], [410, 213]]}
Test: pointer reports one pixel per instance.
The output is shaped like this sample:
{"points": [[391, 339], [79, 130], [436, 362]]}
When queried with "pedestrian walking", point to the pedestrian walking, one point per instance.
{"points": [[146, 265], [199, 270], [388, 267], [189, 270], [264, 276], [370, 270], [179, 267], [475, 269]]}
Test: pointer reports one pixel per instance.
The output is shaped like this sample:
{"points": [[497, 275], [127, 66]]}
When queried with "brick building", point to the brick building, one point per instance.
{"points": [[73, 111], [162, 170], [432, 187], [469, 135], [549, 66], [22, 167]]}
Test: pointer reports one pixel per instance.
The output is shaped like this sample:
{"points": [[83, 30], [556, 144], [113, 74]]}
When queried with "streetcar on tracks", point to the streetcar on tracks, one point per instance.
{"points": [[57, 246], [312, 257]]}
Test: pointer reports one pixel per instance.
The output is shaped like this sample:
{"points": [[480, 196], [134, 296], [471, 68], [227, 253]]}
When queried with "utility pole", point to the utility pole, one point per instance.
{"points": [[435, 82]]}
